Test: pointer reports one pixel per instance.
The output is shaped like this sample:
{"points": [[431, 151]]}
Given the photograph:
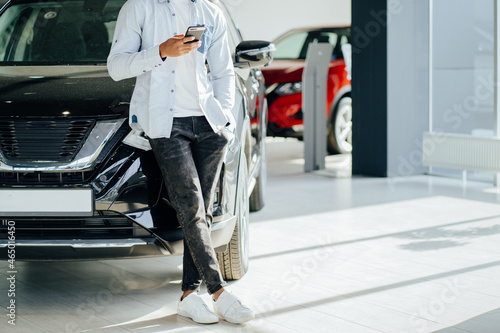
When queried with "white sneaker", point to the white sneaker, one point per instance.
{"points": [[230, 308], [193, 306]]}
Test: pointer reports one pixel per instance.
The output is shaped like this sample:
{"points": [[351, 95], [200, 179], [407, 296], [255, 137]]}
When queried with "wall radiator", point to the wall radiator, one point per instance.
{"points": [[462, 152]]}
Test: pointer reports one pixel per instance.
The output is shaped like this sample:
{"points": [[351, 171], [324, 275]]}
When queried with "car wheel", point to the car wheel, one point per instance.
{"points": [[258, 196], [234, 261], [340, 128]]}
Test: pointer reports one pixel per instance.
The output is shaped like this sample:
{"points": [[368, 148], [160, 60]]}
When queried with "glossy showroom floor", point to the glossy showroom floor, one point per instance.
{"points": [[328, 254]]}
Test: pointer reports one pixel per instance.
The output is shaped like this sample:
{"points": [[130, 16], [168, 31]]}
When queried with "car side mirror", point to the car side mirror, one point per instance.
{"points": [[254, 53]]}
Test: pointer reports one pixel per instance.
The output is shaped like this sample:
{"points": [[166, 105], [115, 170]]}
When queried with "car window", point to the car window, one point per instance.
{"points": [[290, 47], [316, 37], [58, 32], [295, 46], [325, 37]]}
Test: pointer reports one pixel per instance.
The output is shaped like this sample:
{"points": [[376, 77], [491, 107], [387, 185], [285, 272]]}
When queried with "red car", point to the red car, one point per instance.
{"points": [[284, 86]]}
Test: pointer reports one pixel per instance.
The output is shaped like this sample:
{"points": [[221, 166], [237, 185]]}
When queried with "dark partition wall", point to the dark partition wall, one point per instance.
{"points": [[369, 87]]}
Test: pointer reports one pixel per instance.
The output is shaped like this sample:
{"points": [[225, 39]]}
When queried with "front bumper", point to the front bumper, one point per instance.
{"points": [[106, 235], [285, 115], [296, 131]]}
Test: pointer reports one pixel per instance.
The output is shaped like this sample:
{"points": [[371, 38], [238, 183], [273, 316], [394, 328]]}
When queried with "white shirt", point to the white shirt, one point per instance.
{"points": [[141, 27], [186, 92]]}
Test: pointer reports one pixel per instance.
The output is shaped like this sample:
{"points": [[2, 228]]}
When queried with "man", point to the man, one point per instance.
{"points": [[184, 115]]}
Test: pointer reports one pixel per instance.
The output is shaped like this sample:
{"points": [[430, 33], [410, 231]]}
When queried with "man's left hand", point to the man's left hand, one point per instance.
{"points": [[176, 46]]}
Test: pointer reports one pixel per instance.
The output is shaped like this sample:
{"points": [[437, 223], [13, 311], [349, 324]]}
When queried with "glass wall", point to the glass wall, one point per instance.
{"points": [[462, 70]]}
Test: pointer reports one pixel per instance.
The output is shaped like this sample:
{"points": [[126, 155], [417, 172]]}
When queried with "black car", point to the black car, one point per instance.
{"points": [[75, 181]]}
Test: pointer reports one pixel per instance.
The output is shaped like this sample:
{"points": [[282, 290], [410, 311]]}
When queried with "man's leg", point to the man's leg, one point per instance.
{"points": [[209, 151], [200, 156], [175, 158]]}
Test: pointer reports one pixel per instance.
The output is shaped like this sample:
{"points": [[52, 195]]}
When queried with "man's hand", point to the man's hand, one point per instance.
{"points": [[176, 46]]}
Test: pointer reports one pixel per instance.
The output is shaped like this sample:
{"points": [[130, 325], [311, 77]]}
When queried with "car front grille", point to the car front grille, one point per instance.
{"points": [[42, 141], [103, 225], [45, 178]]}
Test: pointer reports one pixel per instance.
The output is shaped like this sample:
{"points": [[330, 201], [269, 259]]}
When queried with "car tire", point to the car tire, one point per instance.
{"points": [[234, 261], [339, 137], [258, 196]]}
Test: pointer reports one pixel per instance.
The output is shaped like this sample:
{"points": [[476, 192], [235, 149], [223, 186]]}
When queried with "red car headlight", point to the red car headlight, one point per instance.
{"points": [[288, 88]]}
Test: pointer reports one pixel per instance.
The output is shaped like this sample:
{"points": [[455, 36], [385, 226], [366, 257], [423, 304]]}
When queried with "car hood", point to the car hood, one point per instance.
{"points": [[57, 91], [283, 71]]}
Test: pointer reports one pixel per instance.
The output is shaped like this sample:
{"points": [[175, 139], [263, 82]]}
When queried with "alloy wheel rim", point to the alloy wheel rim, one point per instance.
{"points": [[343, 127]]}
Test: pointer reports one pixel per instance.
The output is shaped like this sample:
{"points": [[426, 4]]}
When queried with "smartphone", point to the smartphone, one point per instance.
{"points": [[197, 32]]}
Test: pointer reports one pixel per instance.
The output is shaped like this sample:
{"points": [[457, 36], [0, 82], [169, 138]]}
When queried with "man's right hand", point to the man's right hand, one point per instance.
{"points": [[176, 46]]}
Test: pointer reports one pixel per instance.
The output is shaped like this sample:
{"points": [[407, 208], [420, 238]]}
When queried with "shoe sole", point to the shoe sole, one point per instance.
{"points": [[240, 321], [186, 315]]}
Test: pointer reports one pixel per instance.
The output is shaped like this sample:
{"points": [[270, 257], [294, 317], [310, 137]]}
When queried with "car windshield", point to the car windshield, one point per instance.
{"points": [[294, 46], [57, 32]]}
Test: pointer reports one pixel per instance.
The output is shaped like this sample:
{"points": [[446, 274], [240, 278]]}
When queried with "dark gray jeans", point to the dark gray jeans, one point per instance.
{"points": [[191, 161]]}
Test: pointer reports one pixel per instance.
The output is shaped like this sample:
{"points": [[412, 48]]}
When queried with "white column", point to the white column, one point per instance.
{"points": [[496, 70], [431, 63], [431, 69]]}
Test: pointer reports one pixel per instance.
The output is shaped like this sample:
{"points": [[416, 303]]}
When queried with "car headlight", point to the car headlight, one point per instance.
{"points": [[288, 88]]}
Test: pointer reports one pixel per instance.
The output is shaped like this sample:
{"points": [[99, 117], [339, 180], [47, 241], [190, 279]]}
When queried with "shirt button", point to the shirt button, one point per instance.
{"points": [[173, 72], [173, 14], [172, 90], [144, 71], [171, 109]]}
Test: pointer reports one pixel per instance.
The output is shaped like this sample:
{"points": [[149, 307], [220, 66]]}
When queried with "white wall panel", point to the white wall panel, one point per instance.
{"points": [[267, 19], [408, 86]]}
